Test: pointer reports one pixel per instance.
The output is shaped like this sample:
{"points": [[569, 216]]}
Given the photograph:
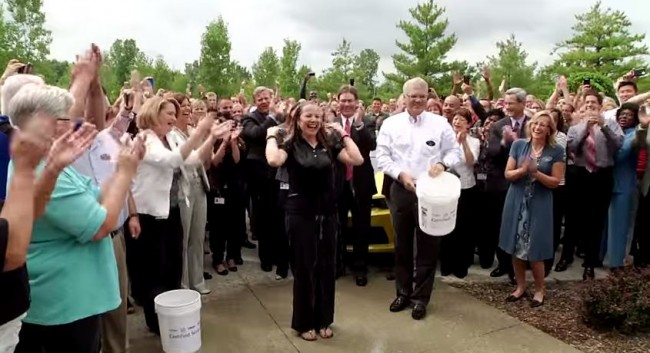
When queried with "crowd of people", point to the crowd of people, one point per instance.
{"points": [[107, 201]]}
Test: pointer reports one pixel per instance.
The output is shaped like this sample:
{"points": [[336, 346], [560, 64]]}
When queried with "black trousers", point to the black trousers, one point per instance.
{"points": [[282, 255], [457, 248], [225, 225], [559, 207], [404, 211], [81, 336], [641, 239], [491, 214], [268, 218], [358, 234], [593, 192], [313, 245], [155, 261], [572, 226]]}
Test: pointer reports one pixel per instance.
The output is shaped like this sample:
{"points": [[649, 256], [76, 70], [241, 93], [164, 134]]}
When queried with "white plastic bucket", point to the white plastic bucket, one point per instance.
{"points": [[437, 203], [179, 317]]}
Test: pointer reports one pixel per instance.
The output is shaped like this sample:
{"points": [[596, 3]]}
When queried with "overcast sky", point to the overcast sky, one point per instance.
{"points": [[173, 28]]}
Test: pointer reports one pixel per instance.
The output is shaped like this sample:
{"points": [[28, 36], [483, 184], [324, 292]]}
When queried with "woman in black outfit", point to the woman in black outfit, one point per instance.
{"points": [[310, 211], [226, 211]]}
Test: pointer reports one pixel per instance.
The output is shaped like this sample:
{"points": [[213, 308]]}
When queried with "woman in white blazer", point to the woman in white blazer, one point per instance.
{"points": [[155, 258], [194, 186]]}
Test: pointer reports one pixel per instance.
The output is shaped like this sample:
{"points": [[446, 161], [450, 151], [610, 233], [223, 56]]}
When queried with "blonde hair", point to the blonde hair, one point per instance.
{"points": [[149, 115], [197, 103], [550, 138], [210, 95]]}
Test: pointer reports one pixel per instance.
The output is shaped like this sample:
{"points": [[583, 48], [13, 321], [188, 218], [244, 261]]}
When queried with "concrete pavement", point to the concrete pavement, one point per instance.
{"points": [[249, 311]]}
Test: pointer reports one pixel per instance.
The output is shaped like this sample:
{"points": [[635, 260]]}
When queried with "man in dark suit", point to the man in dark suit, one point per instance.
{"points": [[358, 184], [503, 133], [262, 185]]}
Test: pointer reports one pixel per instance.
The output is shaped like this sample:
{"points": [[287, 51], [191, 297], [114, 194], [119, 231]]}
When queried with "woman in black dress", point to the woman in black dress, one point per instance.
{"points": [[308, 154]]}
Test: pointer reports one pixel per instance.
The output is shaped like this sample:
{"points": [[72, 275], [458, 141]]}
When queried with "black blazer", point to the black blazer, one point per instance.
{"points": [[363, 176], [254, 126], [497, 155]]}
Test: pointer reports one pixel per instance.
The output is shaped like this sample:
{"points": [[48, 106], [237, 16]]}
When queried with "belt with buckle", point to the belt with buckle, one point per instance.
{"points": [[114, 233]]}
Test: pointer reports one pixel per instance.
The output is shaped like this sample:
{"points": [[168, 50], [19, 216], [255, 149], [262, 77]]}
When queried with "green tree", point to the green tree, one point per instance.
{"points": [[163, 75], [511, 64], [601, 42], [266, 70], [289, 78], [123, 57], [215, 67], [424, 54], [6, 39], [366, 65], [339, 73], [31, 39]]}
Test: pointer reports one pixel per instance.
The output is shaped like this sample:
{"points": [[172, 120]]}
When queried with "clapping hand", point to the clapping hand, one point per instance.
{"points": [[69, 146], [87, 65], [461, 137], [27, 150], [234, 134], [644, 117], [222, 130], [130, 157]]}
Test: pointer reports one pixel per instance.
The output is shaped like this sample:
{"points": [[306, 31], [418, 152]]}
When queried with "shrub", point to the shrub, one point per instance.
{"points": [[621, 301]]}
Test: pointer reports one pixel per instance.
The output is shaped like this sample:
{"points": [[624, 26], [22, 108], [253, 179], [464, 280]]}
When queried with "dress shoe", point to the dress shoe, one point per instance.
{"points": [[361, 280], [220, 273], [588, 274], [400, 303], [203, 290], [207, 276], [512, 298], [536, 303], [390, 276], [419, 312], [498, 272], [249, 245], [562, 265], [266, 267], [281, 273], [461, 273]]}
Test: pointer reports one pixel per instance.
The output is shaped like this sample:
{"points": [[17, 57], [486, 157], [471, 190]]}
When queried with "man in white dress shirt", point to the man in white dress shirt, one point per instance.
{"points": [[410, 144]]}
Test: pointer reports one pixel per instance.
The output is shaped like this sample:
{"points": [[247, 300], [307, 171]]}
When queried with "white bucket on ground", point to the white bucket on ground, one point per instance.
{"points": [[179, 317], [437, 203]]}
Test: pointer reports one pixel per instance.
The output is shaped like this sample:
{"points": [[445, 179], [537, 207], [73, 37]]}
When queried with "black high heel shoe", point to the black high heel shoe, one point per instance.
{"points": [[512, 298]]}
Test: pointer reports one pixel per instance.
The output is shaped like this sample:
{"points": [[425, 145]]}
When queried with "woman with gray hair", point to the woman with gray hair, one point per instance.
{"points": [[71, 265]]}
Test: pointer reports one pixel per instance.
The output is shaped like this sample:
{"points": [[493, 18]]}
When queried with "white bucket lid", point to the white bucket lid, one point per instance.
{"points": [[177, 301], [445, 186]]}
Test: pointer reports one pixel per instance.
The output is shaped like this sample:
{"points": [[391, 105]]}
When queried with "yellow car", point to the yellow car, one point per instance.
{"points": [[382, 237]]}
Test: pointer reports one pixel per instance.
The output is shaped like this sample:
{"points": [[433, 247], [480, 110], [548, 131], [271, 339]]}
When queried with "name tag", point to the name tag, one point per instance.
{"points": [[284, 186], [219, 201], [481, 176]]}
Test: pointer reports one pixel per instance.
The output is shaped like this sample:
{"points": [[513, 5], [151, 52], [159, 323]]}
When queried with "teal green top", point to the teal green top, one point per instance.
{"points": [[71, 276]]}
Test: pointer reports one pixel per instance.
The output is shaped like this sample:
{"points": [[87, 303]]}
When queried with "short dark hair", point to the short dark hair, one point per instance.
{"points": [[591, 92], [627, 83], [465, 114], [377, 99], [348, 89]]}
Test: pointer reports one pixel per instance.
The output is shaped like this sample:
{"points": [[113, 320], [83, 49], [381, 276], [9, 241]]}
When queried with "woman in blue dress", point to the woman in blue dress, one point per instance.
{"points": [[535, 167], [625, 188]]}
